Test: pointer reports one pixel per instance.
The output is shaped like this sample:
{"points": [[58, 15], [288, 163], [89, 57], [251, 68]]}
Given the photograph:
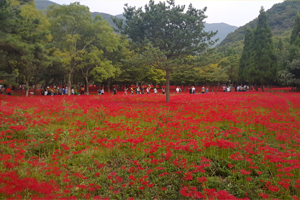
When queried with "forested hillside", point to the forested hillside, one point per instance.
{"points": [[222, 28], [42, 4], [280, 17]]}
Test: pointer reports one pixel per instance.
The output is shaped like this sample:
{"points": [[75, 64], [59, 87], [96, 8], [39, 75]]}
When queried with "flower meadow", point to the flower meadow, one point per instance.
{"points": [[203, 146]]}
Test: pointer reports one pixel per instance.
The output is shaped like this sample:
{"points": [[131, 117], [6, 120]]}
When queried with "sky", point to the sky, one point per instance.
{"points": [[235, 12]]}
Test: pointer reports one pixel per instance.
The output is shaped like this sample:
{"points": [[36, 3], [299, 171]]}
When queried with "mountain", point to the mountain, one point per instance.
{"points": [[106, 17], [281, 18], [223, 29], [42, 4]]}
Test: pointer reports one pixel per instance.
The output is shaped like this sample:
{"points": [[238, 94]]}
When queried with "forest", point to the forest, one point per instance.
{"points": [[66, 45]]}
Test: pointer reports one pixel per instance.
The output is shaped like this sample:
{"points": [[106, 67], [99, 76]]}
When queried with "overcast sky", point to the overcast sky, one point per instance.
{"points": [[236, 13]]}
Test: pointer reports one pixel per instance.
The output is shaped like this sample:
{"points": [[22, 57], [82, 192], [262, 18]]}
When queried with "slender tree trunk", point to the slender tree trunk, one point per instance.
{"points": [[87, 85], [262, 88], [35, 80], [217, 87], [69, 83], [108, 85], [27, 87], [168, 85]]}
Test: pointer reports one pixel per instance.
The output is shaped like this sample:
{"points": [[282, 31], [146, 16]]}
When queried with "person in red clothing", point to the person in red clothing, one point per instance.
{"points": [[8, 91]]}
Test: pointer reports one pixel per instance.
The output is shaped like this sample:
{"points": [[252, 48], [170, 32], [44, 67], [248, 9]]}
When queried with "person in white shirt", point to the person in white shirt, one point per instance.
{"points": [[148, 90], [177, 90], [155, 90], [138, 90], [228, 89], [193, 90], [72, 91]]}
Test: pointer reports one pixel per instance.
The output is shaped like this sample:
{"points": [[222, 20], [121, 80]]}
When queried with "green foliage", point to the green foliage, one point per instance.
{"points": [[290, 73], [263, 62], [173, 32], [246, 55], [295, 37], [280, 19], [75, 31]]}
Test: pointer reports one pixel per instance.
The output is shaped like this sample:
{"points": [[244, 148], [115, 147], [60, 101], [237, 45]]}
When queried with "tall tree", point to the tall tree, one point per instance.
{"points": [[291, 74], [172, 31], [245, 58], [231, 66], [263, 62], [295, 37], [74, 31], [25, 38]]}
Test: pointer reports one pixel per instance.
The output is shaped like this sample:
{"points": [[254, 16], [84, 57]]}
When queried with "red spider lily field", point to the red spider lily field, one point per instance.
{"points": [[202, 146]]}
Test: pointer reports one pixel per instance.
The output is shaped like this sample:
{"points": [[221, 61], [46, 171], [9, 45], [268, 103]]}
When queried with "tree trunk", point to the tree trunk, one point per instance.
{"points": [[27, 87], [292, 87], [69, 83], [262, 88], [87, 85], [108, 85], [217, 87], [168, 85], [35, 81]]}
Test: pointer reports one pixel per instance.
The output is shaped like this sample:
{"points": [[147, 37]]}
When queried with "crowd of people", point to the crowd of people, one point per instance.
{"points": [[131, 89], [51, 91], [5, 90], [238, 88], [80, 90]]}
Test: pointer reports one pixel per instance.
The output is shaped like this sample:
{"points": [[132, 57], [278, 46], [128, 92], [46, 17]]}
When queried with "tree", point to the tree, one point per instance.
{"points": [[74, 31], [231, 66], [295, 37], [25, 38], [263, 62], [246, 54], [185, 77], [172, 32], [291, 74]]}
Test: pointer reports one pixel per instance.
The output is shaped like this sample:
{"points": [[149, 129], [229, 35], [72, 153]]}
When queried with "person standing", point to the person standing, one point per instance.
{"points": [[148, 90], [155, 90], [125, 90], [8, 91], [193, 89], [102, 91], [131, 90], [177, 90], [115, 90], [190, 90], [138, 90], [228, 88], [203, 89], [163, 90], [82, 90], [143, 90]]}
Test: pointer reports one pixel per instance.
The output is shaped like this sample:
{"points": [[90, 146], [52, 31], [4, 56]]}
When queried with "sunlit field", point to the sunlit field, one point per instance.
{"points": [[204, 146]]}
